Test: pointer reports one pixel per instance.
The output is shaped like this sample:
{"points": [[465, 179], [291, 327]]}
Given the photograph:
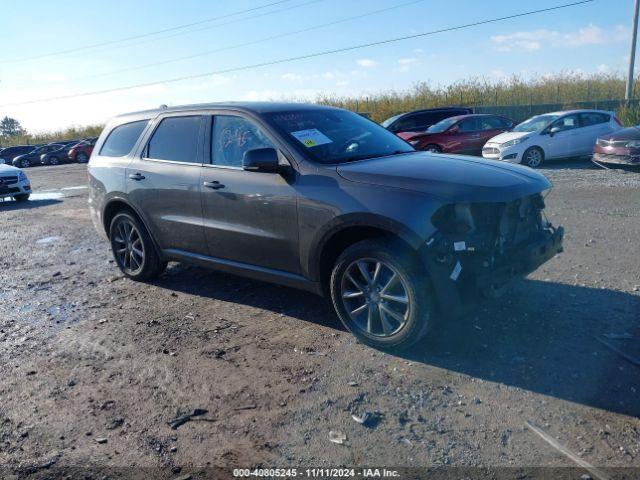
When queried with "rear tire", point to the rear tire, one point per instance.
{"points": [[133, 250], [533, 157], [23, 197], [390, 309]]}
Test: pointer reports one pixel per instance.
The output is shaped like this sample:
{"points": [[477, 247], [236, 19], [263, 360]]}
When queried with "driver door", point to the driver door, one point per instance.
{"points": [[249, 217], [564, 142]]}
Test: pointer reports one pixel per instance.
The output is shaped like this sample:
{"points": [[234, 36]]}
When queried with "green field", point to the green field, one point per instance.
{"points": [[514, 97]]}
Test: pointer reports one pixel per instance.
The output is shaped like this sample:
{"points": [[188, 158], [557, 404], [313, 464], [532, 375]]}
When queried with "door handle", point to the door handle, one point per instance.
{"points": [[136, 176], [215, 185]]}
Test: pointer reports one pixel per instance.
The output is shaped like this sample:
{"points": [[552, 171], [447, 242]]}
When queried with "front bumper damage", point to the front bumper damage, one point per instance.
{"points": [[464, 267]]}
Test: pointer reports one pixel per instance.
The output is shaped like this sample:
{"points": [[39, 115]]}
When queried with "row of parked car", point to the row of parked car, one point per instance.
{"points": [[564, 134], [24, 156]]}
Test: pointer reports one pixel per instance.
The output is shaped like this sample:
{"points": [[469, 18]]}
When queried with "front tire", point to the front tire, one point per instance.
{"points": [[24, 163], [433, 148], [54, 161], [380, 295], [533, 157], [82, 157], [23, 197], [133, 250]]}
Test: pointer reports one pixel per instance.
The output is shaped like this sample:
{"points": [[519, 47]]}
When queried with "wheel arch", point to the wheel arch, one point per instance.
{"points": [[349, 229], [118, 204]]}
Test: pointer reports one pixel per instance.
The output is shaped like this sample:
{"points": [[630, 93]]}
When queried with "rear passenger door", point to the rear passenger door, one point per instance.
{"points": [[163, 182], [249, 217], [593, 125]]}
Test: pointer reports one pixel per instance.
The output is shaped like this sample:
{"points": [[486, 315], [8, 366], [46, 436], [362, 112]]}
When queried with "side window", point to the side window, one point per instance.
{"points": [[176, 139], [425, 120], [566, 123], [468, 125], [122, 139], [593, 118], [231, 137], [406, 123]]}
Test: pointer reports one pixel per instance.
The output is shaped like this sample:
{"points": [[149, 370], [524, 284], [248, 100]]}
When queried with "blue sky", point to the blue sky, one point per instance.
{"points": [[589, 38]]}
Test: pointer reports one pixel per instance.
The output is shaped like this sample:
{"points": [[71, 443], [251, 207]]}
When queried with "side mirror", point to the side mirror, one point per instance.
{"points": [[262, 160], [554, 130]]}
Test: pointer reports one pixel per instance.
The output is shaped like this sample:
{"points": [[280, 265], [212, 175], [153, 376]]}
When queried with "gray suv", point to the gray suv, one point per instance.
{"points": [[321, 199]]}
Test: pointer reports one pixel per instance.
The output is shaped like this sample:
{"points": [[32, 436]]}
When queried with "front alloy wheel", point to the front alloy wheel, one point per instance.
{"points": [[533, 157], [382, 294], [375, 297]]}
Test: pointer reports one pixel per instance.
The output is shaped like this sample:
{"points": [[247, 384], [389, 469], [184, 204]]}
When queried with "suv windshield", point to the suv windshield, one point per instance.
{"points": [[442, 125], [535, 124], [335, 136]]}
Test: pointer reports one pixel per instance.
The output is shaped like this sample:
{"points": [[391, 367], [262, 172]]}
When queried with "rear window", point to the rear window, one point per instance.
{"points": [[176, 139], [121, 140], [593, 118]]}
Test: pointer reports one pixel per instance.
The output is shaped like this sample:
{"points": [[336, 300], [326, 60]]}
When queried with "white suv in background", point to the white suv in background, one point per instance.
{"points": [[14, 183], [571, 133]]}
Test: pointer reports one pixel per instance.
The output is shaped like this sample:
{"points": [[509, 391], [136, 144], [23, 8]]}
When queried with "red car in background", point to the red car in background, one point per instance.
{"points": [[82, 151], [464, 134]]}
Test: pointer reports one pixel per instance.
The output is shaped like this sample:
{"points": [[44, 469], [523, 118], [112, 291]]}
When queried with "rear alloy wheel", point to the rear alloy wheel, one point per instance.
{"points": [[432, 148], [533, 157], [82, 158], [133, 250], [379, 296]]}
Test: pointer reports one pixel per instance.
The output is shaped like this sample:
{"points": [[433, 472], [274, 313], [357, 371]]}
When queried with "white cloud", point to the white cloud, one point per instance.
{"points": [[603, 68], [366, 63], [293, 77], [534, 40], [405, 63]]}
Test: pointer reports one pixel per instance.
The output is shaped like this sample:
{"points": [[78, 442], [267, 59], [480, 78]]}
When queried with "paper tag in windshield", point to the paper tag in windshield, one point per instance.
{"points": [[312, 137]]}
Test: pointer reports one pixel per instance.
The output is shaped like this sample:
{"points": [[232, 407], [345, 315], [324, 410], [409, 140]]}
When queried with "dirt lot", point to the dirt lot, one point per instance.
{"points": [[94, 366]]}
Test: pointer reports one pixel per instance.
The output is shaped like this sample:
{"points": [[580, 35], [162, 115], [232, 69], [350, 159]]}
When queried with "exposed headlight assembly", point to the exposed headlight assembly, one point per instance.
{"points": [[513, 142]]}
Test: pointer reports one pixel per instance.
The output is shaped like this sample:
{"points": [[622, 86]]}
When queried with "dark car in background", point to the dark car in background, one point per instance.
{"points": [[55, 157], [7, 154], [621, 147], [33, 157], [420, 120], [82, 151], [321, 199], [464, 134]]}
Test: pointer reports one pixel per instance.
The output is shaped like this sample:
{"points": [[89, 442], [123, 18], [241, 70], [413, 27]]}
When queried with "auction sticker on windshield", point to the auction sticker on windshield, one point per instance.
{"points": [[311, 137]]}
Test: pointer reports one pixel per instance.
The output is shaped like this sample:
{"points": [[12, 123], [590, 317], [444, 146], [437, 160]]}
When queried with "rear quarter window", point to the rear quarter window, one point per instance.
{"points": [[121, 140]]}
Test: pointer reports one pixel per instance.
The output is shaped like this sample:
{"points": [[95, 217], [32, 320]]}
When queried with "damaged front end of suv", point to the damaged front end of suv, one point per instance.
{"points": [[478, 248]]}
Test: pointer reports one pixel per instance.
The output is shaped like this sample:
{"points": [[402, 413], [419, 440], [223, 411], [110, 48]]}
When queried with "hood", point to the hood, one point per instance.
{"points": [[506, 136], [409, 135], [9, 169], [454, 178], [631, 133]]}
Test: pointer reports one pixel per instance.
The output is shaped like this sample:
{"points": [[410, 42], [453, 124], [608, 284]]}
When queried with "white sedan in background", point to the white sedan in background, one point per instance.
{"points": [[565, 134], [14, 183]]}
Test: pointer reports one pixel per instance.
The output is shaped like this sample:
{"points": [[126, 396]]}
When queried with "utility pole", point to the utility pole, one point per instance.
{"points": [[632, 56]]}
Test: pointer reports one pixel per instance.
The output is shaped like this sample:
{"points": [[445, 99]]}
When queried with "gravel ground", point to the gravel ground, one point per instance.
{"points": [[94, 366]]}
